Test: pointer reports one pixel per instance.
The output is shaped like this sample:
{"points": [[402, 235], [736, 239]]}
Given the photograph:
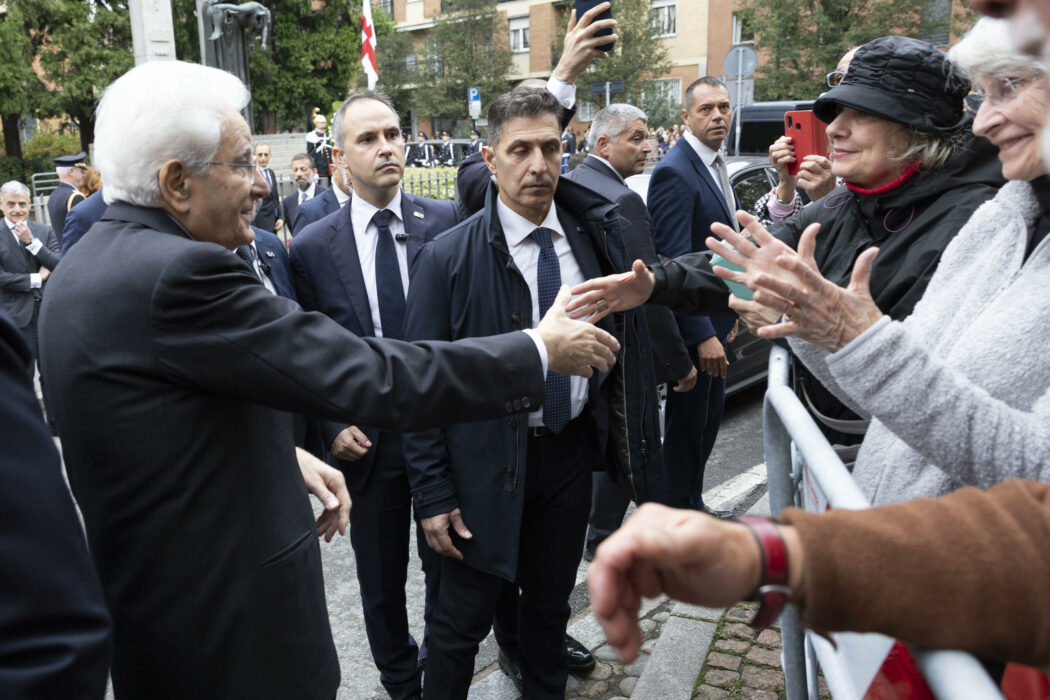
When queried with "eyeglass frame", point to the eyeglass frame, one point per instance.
{"points": [[840, 73], [1005, 84], [253, 164]]}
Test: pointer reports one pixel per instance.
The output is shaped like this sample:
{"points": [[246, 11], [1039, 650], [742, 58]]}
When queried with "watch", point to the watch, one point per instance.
{"points": [[773, 592]]}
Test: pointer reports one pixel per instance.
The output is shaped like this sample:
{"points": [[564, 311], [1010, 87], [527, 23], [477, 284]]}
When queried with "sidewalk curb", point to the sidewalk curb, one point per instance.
{"points": [[683, 645]]}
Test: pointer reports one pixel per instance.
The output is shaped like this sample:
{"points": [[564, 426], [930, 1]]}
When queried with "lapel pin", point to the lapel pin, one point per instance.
{"points": [[269, 254], [417, 214]]}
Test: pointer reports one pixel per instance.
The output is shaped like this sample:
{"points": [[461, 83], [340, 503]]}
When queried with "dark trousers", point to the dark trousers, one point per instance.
{"points": [[554, 519], [691, 425], [609, 505], [380, 521]]}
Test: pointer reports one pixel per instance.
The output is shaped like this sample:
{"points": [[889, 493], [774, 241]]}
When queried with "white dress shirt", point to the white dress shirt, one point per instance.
{"points": [[35, 281], [309, 192], [257, 266], [706, 155], [366, 235], [526, 255], [341, 197]]}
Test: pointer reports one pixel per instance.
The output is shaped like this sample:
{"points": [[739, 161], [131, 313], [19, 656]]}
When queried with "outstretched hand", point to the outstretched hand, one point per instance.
{"points": [[754, 249], [815, 309], [600, 296], [329, 486], [580, 47], [574, 347]]}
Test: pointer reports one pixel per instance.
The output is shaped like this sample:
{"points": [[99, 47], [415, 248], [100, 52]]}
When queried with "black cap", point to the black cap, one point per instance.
{"points": [[902, 80], [71, 161]]}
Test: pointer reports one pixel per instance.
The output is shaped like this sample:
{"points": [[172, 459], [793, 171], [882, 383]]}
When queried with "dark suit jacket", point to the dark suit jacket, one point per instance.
{"points": [[269, 210], [58, 206], [684, 200], [290, 205], [315, 209], [81, 218], [466, 285], [273, 253], [672, 360], [54, 628], [169, 370], [16, 264], [327, 274]]}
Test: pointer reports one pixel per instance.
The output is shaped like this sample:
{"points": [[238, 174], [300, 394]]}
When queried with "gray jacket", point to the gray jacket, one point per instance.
{"points": [[17, 263]]}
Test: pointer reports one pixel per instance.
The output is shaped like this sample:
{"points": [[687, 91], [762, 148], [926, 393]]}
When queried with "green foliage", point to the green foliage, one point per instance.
{"points": [[46, 144], [637, 58], [468, 46], [13, 168], [435, 183], [804, 39], [17, 79]]}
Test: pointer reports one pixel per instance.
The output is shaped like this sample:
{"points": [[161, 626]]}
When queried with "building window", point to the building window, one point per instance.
{"points": [[742, 32], [411, 63], [585, 111], [666, 91], [663, 17], [936, 19], [385, 5], [519, 34]]}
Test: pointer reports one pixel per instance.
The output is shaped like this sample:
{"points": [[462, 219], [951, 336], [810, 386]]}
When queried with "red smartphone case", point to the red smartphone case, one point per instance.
{"points": [[807, 136]]}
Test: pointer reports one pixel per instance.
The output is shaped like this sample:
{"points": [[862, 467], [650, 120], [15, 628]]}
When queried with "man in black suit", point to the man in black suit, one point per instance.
{"points": [[506, 500], [53, 619], [579, 50], [268, 215], [343, 268], [81, 218], [70, 170], [327, 202], [172, 369], [28, 254], [304, 174], [620, 148]]}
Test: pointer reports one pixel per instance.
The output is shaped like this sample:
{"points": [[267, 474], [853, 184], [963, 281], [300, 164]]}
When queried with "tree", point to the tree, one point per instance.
{"points": [[638, 58], [17, 80], [804, 39], [467, 46]]}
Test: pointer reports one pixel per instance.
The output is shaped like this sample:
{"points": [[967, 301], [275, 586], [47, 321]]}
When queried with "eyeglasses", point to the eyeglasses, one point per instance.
{"points": [[249, 167], [835, 77], [1005, 89]]}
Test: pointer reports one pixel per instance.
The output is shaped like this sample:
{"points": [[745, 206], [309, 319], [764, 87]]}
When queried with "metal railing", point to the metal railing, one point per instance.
{"points": [[435, 183], [799, 457]]}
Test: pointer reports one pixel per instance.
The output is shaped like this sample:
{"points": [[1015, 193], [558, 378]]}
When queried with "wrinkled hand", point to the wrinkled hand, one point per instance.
{"points": [[436, 530], [23, 232], [574, 347], [688, 555], [350, 444], [817, 310], [712, 357], [756, 255], [329, 485], [621, 292], [815, 177], [278, 225], [687, 382], [579, 48], [753, 314], [44, 273], [781, 155]]}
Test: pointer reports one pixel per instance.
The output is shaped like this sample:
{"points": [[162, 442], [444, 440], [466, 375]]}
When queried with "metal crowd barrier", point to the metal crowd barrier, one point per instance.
{"points": [[804, 471]]}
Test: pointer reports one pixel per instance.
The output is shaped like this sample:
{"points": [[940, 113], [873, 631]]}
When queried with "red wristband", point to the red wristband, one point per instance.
{"points": [[773, 592]]}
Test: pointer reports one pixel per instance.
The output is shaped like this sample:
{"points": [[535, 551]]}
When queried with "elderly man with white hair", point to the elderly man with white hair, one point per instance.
{"points": [[173, 369]]}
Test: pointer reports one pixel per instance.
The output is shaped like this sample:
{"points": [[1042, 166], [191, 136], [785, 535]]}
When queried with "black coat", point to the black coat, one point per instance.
{"points": [[169, 370], [466, 285], [269, 207]]}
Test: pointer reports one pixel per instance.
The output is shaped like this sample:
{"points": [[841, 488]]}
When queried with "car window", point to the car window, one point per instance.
{"points": [[749, 186]]}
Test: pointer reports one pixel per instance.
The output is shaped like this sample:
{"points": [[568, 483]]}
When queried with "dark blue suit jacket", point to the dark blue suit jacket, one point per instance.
{"points": [[80, 218], [327, 275], [273, 253], [314, 210], [290, 205], [54, 628], [684, 201]]}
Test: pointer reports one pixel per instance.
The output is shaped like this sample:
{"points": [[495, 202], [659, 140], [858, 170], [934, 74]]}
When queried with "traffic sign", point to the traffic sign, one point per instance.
{"points": [[740, 62], [474, 101], [613, 86]]}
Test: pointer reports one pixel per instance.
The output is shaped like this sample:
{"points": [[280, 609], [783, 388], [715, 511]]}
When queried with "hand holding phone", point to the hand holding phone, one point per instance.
{"points": [[807, 136], [583, 6]]}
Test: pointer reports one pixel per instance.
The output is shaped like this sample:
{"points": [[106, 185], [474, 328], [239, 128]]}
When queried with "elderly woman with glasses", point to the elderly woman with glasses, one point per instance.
{"points": [[959, 392]]}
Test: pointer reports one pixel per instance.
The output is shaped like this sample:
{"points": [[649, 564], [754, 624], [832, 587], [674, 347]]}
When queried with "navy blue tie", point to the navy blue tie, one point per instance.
{"points": [[556, 407], [389, 289]]}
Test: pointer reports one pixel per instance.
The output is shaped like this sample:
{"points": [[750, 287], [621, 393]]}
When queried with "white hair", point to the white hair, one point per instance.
{"points": [[13, 187], [611, 121], [986, 51], [156, 112], [63, 170]]}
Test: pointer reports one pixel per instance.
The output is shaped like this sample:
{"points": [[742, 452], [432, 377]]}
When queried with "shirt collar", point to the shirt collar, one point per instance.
{"points": [[362, 211], [609, 166], [340, 196], [10, 224], [517, 228], [705, 153]]}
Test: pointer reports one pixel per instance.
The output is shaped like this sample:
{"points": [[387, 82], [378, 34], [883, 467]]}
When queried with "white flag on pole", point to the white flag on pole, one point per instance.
{"points": [[368, 45]]}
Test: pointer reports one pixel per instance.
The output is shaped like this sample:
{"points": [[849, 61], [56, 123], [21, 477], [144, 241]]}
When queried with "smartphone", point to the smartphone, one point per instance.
{"points": [[741, 291], [584, 5], [807, 136]]}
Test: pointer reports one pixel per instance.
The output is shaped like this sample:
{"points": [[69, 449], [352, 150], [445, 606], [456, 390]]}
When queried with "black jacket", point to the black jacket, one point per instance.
{"points": [[464, 285]]}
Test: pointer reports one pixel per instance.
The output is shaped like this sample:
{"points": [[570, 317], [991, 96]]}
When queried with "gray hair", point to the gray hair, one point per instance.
{"points": [[13, 187], [613, 120], [63, 170], [987, 50], [522, 101], [337, 120], [708, 80], [156, 112]]}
